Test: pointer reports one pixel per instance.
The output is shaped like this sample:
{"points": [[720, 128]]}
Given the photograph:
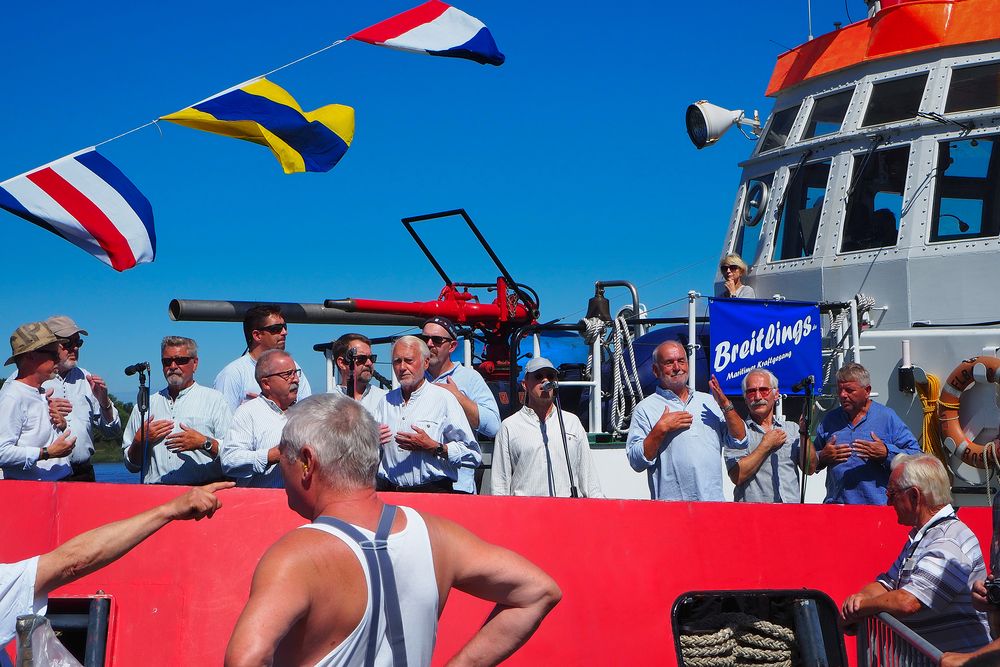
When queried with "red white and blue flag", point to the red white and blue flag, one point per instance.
{"points": [[88, 201], [438, 30]]}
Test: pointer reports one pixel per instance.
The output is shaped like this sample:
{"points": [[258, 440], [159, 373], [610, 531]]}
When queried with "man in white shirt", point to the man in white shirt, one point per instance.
{"points": [[530, 457], [250, 450], [432, 438], [86, 395], [264, 328], [30, 448], [186, 423]]}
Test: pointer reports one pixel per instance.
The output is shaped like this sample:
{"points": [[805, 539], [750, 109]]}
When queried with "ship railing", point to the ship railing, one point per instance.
{"points": [[883, 641]]}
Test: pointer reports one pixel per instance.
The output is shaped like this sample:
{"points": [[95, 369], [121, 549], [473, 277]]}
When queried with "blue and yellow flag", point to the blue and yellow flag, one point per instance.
{"points": [[266, 114]]}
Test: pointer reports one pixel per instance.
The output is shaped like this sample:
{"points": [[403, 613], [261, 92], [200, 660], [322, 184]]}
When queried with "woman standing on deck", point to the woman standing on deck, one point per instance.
{"points": [[733, 268]]}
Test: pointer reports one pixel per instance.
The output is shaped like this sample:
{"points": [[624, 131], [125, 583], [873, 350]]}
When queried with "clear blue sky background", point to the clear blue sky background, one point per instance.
{"points": [[572, 157]]}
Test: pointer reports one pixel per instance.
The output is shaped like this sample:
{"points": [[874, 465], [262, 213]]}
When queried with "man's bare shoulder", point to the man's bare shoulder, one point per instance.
{"points": [[302, 552]]}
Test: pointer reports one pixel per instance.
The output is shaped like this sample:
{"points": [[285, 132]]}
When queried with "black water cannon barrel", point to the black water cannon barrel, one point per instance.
{"points": [[203, 310]]}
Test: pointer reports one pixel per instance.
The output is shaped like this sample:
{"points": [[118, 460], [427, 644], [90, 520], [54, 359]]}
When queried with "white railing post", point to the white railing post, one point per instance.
{"points": [[467, 351], [595, 393], [331, 372], [855, 334], [692, 338]]}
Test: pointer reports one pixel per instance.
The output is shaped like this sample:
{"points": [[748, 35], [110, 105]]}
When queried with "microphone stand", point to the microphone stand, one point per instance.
{"points": [[805, 461], [350, 372], [142, 403], [573, 492]]}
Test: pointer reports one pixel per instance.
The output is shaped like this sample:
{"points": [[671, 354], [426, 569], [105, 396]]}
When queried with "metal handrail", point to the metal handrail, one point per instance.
{"points": [[883, 641]]}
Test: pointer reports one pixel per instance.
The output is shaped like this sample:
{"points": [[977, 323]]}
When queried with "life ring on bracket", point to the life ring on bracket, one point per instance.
{"points": [[967, 373]]}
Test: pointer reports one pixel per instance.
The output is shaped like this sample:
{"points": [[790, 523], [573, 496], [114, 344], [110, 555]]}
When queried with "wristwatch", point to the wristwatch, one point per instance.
{"points": [[207, 447], [44, 455], [439, 452], [729, 408]]}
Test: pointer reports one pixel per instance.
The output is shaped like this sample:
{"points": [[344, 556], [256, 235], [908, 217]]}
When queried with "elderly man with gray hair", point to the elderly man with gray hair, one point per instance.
{"points": [[767, 471], [431, 436], [858, 441], [250, 451], [929, 586], [186, 424]]}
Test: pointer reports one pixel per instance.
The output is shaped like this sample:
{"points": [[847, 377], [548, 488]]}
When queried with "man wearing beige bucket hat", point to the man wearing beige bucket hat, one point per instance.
{"points": [[30, 448]]}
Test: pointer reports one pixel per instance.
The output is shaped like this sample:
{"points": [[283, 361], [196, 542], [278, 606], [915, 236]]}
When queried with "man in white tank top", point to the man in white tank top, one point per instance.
{"points": [[364, 584]]}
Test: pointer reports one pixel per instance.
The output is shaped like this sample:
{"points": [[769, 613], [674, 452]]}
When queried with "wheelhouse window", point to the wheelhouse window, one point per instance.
{"points": [[828, 114], [755, 200], [781, 126], [800, 211], [974, 88], [968, 176], [896, 99], [875, 202]]}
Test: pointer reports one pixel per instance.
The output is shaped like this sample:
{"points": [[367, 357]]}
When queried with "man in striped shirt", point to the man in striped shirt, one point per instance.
{"points": [[929, 587]]}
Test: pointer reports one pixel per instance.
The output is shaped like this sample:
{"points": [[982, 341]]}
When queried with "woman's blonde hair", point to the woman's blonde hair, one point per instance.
{"points": [[733, 258]]}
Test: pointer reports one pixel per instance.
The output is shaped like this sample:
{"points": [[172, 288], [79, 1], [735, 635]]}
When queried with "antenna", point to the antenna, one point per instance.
{"points": [[809, 13]]}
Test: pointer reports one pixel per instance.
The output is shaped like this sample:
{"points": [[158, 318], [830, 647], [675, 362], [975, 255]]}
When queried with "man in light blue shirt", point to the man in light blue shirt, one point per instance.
{"points": [[464, 383], [431, 438], [677, 434]]}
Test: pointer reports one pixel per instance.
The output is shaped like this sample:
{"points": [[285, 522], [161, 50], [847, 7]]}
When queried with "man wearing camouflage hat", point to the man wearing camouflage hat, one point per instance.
{"points": [[30, 448], [84, 394]]}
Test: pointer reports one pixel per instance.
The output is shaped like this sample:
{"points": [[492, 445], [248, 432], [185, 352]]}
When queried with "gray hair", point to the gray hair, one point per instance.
{"points": [[677, 343], [926, 473], [266, 362], [771, 377], [852, 372], [343, 435], [179, 341], [412, 341]]}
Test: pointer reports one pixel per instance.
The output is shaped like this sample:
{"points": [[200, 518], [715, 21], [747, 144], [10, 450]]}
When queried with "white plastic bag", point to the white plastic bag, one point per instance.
{"points": [[47, 650]]}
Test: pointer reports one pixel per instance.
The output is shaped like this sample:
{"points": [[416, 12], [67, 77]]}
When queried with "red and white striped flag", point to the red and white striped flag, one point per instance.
{"points": [[88, 201]]}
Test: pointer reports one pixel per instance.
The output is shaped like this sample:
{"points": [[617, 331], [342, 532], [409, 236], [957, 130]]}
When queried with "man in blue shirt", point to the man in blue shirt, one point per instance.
{"points": [[677, 435], [858, 441]]}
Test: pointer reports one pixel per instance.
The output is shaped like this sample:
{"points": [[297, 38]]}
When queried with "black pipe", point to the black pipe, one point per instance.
{"points": [[203, 310]]}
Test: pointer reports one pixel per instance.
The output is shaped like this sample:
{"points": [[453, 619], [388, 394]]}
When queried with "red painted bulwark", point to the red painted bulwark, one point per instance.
{"points": [[901, 27], [621, 564]]}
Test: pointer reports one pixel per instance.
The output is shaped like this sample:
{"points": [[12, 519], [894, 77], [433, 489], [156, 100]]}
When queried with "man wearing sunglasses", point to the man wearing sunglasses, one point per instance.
{"points": [[464, 383], [529, 459], [186, 424], [83, 396], [767, 471], [30, 448], [352, 353], [250, 451], [264, 328]]}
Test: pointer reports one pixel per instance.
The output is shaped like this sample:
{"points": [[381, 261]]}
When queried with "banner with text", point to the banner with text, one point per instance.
{"points": [[782, 336]]}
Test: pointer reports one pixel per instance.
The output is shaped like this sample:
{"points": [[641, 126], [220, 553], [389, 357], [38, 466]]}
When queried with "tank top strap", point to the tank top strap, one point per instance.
{"points": [[382, 583]]}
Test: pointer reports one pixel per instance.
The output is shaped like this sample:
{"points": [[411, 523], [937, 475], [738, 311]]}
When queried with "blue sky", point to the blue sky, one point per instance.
{"points": [[572, 157]]}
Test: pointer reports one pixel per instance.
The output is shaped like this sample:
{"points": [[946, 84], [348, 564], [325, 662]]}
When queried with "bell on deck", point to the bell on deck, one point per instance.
{"points": [[599, 307]]}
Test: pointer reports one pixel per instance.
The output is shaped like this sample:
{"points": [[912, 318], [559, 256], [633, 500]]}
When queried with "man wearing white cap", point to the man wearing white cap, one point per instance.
{"points": [[87, 396], [30, 448], [529, 458]]}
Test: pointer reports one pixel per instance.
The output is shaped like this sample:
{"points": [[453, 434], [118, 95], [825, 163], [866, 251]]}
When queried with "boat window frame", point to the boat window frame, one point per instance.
{"points": [[851, 89], [874, 83], [791, 138], [933, 219], [855, 160], [769, 178], [777, 224], [967, 65]]}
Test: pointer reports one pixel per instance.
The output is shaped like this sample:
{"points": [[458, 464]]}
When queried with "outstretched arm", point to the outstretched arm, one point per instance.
{"points": [[98, 547], [523, 593]]}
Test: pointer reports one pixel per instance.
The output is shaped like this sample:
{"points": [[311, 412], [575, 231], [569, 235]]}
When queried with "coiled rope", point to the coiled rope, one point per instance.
{"points": [[737, 640], [626, 390], [930, 435]]}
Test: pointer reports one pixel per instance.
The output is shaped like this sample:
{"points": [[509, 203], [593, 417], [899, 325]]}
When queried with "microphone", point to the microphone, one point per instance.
{"points": [[803, 383], [135, 368], [549, 385]]}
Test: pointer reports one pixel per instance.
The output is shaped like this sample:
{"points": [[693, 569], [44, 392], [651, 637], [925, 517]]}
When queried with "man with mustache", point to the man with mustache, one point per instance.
{"points": [[677, 435], [767, 471], [858, 442], [250, 451], [186, 424], [264, 328], [357, 347], [431, 437]]}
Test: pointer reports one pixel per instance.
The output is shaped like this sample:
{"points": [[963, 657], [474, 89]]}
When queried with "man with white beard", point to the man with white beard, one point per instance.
{"points": [[185, 427]]}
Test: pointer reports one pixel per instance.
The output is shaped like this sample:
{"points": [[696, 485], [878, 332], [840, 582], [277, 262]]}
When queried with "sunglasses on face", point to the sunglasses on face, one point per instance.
{"points": [[544, 376], [729, 267], [72, 343], [274, 329], [285, 375], [763, 391], [180, 361], [438, 341], [361, 359]]}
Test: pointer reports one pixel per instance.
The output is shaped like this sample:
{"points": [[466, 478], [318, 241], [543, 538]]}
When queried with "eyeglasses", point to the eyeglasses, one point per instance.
{"points": [[753, 391], [362, 359], [892, 491], [285, 375], [438, 341], [274, 329], [71, 343], [180, 361], [729, 267]]}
